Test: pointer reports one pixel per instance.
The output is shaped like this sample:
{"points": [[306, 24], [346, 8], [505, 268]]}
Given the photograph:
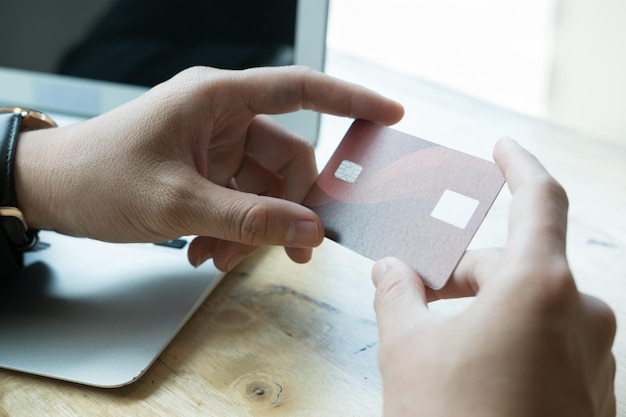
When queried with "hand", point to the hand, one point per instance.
{"points": [[529, 345], [192, 157]]}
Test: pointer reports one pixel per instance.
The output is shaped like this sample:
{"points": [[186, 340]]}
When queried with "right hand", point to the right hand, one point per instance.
{"points": [[529, 345]]}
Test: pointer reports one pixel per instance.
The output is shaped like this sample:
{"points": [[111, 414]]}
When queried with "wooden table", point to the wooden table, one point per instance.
{"points": [[282, 339]]}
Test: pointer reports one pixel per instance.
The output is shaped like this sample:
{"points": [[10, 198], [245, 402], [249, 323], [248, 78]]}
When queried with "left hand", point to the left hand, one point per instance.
{"points": [[192, 156]]}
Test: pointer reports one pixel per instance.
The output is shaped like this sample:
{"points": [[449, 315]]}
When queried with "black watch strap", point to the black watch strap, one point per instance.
{"points": [[12, 223]]}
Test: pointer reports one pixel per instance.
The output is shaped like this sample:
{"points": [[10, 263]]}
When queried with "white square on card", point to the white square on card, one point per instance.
{"points": [[455, 209]]}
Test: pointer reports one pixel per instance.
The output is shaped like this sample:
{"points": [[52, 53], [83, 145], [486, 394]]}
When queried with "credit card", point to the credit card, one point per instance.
{"points": [[388, 193]]}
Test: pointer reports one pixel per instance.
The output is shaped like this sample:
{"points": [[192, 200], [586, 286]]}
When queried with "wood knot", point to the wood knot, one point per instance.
{"points": [[259, 390], [231, 319]]}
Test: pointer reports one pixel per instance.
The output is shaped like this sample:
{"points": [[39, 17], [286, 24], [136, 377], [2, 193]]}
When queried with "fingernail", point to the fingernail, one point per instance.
{"points": [[302, 233], [378, 271]]}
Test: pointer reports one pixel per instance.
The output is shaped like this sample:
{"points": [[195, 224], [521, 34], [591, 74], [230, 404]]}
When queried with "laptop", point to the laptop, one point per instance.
{"points": [[100, 313]]}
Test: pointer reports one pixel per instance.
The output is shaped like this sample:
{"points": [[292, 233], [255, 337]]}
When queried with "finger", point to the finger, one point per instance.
{"points": [[275, 157], [299, 255], [538, 214], [468, 276], [223, 162], [601, 323], [227, 255], [223, 213], [201, 250], [254, 178], [287, 89], [400, 296], [280, 151]]}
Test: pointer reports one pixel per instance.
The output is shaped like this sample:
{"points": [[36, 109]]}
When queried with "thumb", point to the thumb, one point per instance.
{"points": [[250, 219], [400, 296]]}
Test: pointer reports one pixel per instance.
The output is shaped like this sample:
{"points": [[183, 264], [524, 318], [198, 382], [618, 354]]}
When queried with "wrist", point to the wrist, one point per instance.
{"points": [[31, 190], [18, 233]]}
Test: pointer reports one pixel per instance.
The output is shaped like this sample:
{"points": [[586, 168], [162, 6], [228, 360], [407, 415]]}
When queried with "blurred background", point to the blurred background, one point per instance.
{"points": [[560, 60]]}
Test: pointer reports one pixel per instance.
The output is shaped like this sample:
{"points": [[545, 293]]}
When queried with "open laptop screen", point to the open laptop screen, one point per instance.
{"points": [[92, 56]]}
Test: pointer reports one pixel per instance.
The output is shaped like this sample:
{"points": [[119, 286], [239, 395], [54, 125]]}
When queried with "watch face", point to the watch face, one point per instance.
{"points": [[31, 119]]}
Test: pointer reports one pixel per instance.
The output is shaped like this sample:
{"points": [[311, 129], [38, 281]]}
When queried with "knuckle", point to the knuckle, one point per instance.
{"points": [[304, 76], [305, 156], [388, 291], [605, 319], [551, 190], [252, 226], [561, 287], [173, 199], [192, 78], [194, 72], [554, 289], [307, 148], [302, 69]]}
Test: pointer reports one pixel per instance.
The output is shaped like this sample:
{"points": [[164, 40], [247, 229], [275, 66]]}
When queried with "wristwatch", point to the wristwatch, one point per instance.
{"points": [[14, 120]]}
